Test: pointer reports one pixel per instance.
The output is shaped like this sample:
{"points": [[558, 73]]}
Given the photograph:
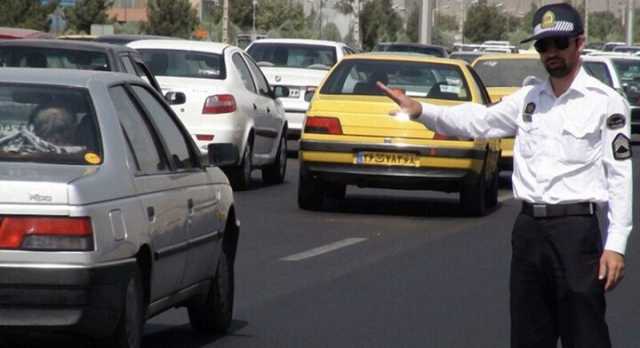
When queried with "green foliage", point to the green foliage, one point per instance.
{"points": [[171, 18], [272, 14], [87, 12], [478, 29], [330, 32], [127, 28], [30, 14], [603, 24], [413, 22], [378, 23], [444, 22]]}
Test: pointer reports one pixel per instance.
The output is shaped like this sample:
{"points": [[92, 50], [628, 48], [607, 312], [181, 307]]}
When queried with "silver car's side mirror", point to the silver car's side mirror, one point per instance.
{"points": [[222, 154], [175, 98], [280, 91]]}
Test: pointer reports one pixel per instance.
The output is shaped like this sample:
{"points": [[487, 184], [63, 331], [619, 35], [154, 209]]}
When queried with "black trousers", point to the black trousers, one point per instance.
{"points": [[555, 291]]}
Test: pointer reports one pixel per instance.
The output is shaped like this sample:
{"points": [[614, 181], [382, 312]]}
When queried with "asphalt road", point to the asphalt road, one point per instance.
{"points": [[382, 269]]}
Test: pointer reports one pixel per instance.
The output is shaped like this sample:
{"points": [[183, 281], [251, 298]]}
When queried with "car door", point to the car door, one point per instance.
{"points": [[195, 196], [272, 122], [156, 192]]}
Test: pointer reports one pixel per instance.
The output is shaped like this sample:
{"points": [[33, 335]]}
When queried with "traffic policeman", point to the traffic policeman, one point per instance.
{"points": [[572, 155]]}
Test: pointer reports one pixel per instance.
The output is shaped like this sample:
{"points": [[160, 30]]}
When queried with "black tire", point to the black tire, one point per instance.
{"points": [[310, 193], [335, 191], [472, 196], [492, 190], [130, 327], [215, 313], [240, 176], [275, 173]]}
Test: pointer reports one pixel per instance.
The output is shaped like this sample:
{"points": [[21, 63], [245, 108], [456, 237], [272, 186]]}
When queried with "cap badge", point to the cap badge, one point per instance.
{"points": [[548, 20]]}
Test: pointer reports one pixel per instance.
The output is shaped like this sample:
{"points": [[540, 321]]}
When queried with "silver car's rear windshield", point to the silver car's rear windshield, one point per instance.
{"points": [[178, 63], [51, 124], [509, 73], [423, 80], [293, 55], [48, 57]]}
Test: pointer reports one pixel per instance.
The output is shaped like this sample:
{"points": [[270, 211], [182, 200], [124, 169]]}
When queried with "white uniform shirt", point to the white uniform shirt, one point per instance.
{"points": [[563, 149]]}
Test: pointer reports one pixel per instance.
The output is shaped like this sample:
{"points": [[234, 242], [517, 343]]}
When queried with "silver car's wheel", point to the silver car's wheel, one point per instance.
{"points": [[215, 314], [129, 330], [276, 172]]}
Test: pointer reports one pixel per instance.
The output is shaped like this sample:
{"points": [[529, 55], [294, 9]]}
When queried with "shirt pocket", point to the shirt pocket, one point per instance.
{"points": [[580, 140], [526, 138]]}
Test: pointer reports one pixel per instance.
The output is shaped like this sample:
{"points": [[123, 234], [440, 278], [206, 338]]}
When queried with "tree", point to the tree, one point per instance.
{"points": [[171, 18], [87, 12], [413, 21], [478, 29], [330, 32], [30, 14], [601, 24], [445, 22], [378, 23], [271, 14]]}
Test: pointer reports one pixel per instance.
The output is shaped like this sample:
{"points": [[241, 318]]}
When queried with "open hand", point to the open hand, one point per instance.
{"points": [[611, 269], [407, 105]]}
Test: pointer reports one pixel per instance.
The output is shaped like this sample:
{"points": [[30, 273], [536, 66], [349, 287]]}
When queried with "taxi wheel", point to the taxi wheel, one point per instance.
{"points": [[472, 196], [216, 312], [240, 176], [492, 190], [336, 191], [310, 192], [275, 173], [128, 332]]}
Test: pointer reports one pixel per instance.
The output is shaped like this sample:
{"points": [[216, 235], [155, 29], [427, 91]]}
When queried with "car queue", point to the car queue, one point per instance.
{"points": [[112, 192]]}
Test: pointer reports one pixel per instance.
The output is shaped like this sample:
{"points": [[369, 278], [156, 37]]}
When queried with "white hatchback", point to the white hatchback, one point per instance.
{"points": [[300, 65], [221, 96]]}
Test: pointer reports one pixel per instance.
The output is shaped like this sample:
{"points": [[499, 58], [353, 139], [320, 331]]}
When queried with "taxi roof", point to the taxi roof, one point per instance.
{"points": [[404, 57]]}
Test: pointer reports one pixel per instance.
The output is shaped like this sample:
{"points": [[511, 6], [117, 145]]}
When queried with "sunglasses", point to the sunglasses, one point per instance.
{"points": [[560, 43]]}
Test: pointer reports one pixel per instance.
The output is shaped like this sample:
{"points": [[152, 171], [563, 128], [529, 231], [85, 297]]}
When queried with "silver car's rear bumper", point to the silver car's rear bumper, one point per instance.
{"points": [[83, 300]]}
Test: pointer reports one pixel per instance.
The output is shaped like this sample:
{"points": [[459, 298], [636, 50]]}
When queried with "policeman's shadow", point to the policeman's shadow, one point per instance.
{"points": [[183, 336]]}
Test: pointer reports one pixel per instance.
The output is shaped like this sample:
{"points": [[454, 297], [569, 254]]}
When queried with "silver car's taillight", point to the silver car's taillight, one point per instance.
{"points": [[46, 233]]}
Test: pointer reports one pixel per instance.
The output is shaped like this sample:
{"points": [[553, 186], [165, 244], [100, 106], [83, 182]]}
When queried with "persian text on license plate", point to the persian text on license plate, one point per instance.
{"points": [[387, 159], [294, 93]]}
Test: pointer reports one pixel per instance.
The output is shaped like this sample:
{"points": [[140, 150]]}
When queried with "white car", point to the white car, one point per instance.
{"points": [[300, 65], [622, 73], [221, 96]]}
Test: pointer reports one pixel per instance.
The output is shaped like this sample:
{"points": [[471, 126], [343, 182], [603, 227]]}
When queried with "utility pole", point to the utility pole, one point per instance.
{"points": [[320, 17], [426, 23], [253, 32], [630, 10], [225, 21], [356, 25], [586, 19]]}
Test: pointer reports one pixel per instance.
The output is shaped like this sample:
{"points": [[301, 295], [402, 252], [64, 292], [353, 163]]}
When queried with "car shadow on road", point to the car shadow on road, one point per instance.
{"points": [[183, 336], [397, 206]]}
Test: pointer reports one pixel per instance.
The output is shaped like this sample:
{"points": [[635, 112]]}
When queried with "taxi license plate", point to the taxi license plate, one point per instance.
{"points": [[387, 159], [294, 93]]}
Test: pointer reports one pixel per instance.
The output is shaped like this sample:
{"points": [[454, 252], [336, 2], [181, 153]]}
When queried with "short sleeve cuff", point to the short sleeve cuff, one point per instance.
{"points": [[616, 242]]}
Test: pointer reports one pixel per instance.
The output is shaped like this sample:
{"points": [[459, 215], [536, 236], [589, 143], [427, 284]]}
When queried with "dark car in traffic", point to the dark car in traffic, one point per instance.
{"points": [[63, 54]]}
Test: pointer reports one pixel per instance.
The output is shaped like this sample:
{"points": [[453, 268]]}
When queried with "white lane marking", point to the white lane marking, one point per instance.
{"points": [[505, 197], [323, 249]]}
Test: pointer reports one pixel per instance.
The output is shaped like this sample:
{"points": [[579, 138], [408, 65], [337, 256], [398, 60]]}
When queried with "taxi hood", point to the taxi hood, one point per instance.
{"points": [[294, 76]]}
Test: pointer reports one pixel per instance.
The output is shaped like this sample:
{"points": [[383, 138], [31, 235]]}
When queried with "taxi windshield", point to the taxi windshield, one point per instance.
{"points": [[416, 79], [628, 71], [50, 124], [509, 72]]}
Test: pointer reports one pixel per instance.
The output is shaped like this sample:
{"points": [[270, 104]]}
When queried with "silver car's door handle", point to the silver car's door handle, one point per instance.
{"points": [[190, 206], [151, 213]]}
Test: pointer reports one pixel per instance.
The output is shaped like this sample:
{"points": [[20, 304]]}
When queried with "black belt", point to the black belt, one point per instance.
{"points": [[541, 210]]}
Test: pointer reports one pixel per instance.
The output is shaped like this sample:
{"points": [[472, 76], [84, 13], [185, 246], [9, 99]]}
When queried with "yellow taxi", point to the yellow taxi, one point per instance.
{"points": [[503, 74], [349, 138]]}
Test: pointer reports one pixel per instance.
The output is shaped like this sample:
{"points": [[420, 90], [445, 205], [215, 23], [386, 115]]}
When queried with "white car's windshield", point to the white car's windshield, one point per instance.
{"points": [[629, 74], [509, 72], [47, 124], [293, 55], [178, 63]]}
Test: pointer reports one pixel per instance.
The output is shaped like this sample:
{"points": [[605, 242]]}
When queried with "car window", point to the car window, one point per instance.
{"points": [[599, 70], [175, 141], [261, 81], [48, 57], [137, 132], [293, 55], [245, 74], [433, 51], [486, 99], [180, 63], [423, 80], [128, 65], [48, 124], [509, 72], [628, 71]]}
